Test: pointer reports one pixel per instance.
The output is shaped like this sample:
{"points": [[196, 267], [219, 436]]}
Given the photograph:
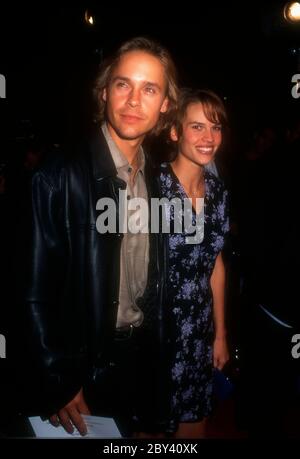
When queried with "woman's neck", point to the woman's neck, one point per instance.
{"points": [[190, 175]]}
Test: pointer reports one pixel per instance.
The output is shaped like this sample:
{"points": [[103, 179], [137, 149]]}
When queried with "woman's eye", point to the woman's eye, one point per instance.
{"points": [[198, 127], [217, 128]]}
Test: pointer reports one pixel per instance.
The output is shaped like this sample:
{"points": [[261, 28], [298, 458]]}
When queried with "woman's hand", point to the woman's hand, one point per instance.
{"points": [[220, 352]]}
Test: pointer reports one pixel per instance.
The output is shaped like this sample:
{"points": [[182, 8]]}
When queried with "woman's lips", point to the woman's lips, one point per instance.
{"points": [[205, 150]]}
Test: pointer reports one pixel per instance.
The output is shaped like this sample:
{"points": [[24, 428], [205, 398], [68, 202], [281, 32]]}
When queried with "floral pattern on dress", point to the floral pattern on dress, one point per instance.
{"points": [[190, 298]]}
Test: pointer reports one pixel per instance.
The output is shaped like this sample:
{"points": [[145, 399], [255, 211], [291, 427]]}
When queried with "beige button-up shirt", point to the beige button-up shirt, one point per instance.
{"points": [[135, 247]]}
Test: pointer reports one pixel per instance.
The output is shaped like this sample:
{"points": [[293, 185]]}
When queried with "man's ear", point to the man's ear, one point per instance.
{"points": [[173, 134], [103, 95], [165, 105]]}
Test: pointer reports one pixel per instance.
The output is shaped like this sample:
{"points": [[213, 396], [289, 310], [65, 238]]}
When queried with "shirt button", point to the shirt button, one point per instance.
{"points": [[128, 197]]}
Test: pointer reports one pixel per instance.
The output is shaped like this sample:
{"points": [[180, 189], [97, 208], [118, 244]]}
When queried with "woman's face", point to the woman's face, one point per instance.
{"points": [[200, 137]]}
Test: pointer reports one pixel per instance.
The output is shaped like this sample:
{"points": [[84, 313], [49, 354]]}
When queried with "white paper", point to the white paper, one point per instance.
{"points": [[97, 427]]}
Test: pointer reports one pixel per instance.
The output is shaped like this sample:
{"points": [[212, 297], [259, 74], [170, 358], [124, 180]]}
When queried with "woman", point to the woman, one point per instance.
{"points": [[196, 271]]}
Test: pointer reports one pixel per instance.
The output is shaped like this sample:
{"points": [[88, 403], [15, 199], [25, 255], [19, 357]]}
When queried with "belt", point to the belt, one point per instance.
{"points": [[124, 333]]}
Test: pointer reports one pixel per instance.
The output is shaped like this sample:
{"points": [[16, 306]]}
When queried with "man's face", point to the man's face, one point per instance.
{"points": [[136, 95]]}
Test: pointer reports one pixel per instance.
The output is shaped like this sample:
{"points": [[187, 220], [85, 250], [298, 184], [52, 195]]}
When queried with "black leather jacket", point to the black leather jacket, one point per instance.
{"points": [[73, 286]]}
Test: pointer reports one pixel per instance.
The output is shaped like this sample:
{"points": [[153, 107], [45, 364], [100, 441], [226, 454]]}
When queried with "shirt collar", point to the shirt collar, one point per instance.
{"points": [[118, 157]]}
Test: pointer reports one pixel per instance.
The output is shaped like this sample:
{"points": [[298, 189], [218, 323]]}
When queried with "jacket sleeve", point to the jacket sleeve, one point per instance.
{"points": [[57, 370]]}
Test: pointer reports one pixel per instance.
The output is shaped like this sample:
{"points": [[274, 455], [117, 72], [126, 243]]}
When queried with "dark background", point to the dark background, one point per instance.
{"points": [[245, 51]]}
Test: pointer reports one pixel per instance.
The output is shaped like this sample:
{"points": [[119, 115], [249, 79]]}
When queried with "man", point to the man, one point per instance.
{"points": [[89, 295]]}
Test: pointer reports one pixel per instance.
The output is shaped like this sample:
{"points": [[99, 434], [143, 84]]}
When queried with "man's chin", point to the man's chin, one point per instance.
{"points": [[130, 134]]}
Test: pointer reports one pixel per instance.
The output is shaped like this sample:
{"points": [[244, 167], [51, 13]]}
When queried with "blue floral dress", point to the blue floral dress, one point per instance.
{"points": [[190, 299]]}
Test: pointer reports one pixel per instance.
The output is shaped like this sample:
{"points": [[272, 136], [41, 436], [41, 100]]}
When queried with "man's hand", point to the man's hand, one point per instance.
{"points": [[70, 415]]}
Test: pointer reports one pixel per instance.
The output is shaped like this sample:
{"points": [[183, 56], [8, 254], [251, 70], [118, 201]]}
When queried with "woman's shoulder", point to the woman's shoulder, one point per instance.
{"points": [[215, 183], [216, 189], [169, 183], [164, 167], [165, 170]]}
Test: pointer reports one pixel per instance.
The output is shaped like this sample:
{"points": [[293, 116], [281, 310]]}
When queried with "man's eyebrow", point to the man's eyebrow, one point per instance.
{"points": [[150, 83], [120, 77], [146, 83]]}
